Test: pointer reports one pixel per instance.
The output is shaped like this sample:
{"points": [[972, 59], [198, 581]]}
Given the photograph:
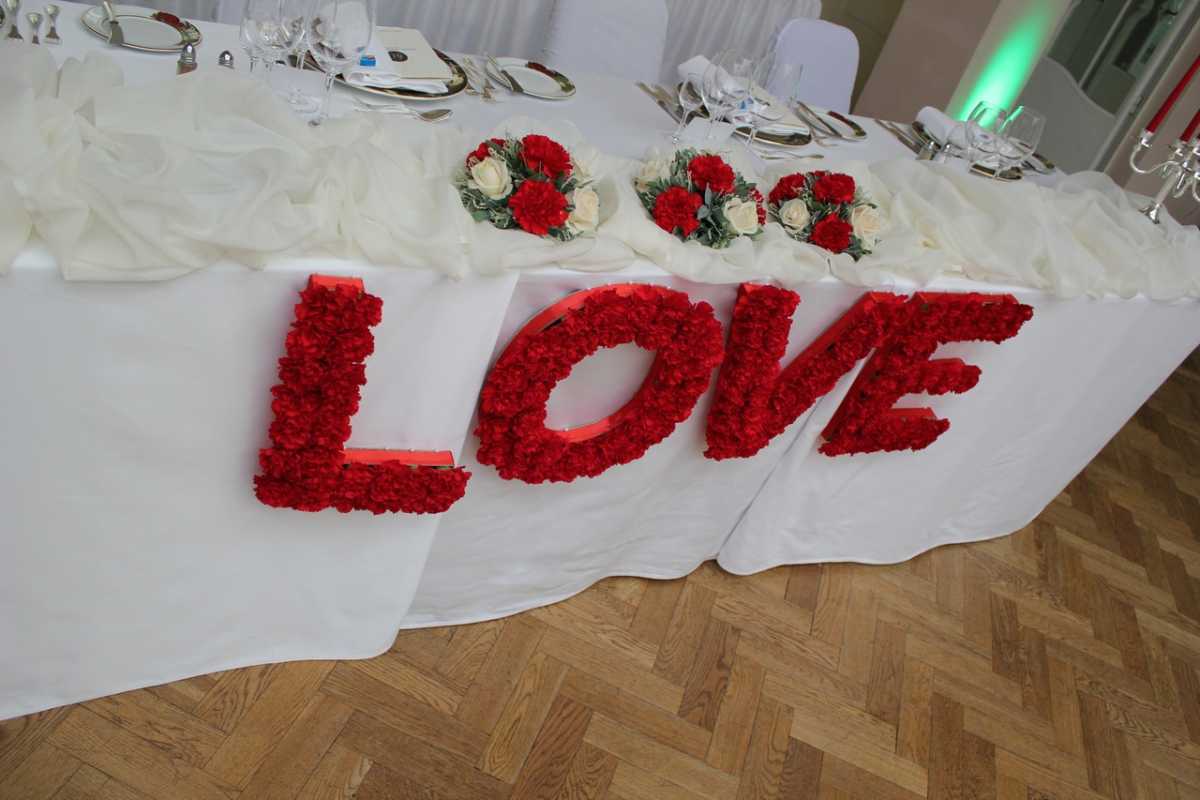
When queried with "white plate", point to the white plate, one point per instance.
{"points": [[548, 85], [140, 30]]}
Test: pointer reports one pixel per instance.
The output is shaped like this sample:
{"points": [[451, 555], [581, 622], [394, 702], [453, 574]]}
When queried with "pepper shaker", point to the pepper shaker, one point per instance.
{"points": [[187, 60], [225, 59]]}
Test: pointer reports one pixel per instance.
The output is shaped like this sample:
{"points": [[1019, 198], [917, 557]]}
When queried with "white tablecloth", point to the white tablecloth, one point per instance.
{"points": [[134, 551]]}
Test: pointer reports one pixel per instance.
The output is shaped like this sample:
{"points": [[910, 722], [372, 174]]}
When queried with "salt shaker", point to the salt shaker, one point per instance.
{"points": [[225, 59], [187, 60]]}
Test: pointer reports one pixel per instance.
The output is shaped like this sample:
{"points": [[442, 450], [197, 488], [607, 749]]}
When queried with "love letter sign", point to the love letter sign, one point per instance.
{"points": [[308, 468]]}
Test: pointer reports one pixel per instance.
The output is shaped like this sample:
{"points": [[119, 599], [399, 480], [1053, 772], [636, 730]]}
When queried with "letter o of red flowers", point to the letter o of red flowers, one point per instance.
{"points": [[512, 430]]}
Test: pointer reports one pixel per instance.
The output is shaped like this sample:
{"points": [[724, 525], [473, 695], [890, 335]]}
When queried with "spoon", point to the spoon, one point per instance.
{"points": [[51, 36], [35, 25], [433, 115]]}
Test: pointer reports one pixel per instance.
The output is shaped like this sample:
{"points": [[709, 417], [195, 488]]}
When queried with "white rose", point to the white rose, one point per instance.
{"points": [[491, 177], [656, 169], [742, 216], [586, 214], [794, 215], [868, 224]]}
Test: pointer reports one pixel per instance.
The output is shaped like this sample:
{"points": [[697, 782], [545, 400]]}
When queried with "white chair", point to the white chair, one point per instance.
{"points": [[829, 54], [615, 37]]}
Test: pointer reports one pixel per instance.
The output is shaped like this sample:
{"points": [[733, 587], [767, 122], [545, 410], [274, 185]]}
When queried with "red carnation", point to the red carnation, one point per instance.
{"points": [[832, 233], [484, 150], [537, 207], [676, 208], [543, 154], [834, 187], [789, 188], [711, 172]]}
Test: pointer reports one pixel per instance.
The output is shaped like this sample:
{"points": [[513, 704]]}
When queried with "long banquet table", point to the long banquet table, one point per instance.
{"points": [[136, 553]]}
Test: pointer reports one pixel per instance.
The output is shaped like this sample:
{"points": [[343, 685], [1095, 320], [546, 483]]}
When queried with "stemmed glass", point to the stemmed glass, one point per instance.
{"points": [[1020, 135], [261, 30], [249, 40], [714, 90], [983, 133], [293, 27], [690, 101], [338, 33]]}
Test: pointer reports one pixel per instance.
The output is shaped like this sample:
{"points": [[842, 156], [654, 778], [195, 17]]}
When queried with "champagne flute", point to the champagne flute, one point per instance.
{"points": [[339, 31], [1020, 134]]}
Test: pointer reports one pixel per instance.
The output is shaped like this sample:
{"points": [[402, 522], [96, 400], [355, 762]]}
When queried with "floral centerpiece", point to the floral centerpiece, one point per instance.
{"points": [[531, 183], [826, 209], [698, 195]]}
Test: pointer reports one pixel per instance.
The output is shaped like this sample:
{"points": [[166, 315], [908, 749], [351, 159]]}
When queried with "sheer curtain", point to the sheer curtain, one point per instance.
{"points": [[518, 27]]}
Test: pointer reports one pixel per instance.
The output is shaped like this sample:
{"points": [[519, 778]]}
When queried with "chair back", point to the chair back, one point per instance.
{"points": [[829, 54], [616, 37]]}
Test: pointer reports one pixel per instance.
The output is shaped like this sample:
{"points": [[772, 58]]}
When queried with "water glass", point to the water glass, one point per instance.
{"points": [[260, 33], [713, 91], [983, 134], [1021, 134], [339, 31], [293, 18]]}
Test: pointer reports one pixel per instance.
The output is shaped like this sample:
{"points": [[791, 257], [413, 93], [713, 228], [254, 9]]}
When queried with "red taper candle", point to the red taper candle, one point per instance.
{"points": [[1190, 131], [1173, 96]]}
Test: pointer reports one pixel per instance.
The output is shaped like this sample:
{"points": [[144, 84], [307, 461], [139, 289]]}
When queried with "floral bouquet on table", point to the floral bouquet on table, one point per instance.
{"points": [[531, 183], [698, 195], [828, 210]]}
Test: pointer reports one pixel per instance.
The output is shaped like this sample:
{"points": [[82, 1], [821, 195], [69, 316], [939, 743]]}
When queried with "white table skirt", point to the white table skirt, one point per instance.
{"points": [[135, 553]]}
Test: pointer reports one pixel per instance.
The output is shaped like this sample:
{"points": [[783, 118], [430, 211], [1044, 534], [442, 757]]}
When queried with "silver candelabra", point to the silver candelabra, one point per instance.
{"points": [[1181, 172]]}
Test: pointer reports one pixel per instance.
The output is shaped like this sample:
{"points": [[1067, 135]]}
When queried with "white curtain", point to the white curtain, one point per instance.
{"points": [[518, 27]]}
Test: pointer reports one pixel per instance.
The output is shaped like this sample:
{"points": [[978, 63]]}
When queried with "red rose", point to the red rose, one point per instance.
{"points": [[789, 188], [537, 207], [484, 150], [543, 154], [676, 208], [711, 172], [832, 233], [834, 187]]}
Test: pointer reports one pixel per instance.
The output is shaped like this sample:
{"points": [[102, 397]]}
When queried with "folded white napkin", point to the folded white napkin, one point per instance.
{"points": [[387, 74], [420, 60], [942, 126]]}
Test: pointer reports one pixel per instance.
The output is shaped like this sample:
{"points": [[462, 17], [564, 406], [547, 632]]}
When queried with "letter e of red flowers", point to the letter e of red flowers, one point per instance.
{"points": [[307, 467], [756, 398], [867, 421]]}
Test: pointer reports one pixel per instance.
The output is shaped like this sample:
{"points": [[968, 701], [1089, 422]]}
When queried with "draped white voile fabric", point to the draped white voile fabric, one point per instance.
{"points": [[519, 27]]}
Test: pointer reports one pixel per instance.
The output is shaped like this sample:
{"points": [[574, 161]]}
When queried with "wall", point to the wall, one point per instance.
{"points": [[927, 51], [871, 21]]}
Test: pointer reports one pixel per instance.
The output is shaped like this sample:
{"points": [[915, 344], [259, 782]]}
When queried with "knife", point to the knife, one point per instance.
{"points": [[819, 120], [895, 130], [116, 36], [513, 85], [859, 133]]}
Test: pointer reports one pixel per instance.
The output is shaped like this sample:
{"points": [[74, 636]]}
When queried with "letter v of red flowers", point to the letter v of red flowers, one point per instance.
{"points": [[866, 421], [307, 467], [756, 398]]}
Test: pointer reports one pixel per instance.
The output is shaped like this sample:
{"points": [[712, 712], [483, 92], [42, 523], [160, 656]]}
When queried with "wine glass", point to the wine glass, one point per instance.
{"points": [[713, 91], [983, 133], [260, 28], [293, 27], [249, 41], [689, 101], [338, 33], [1020, 134]]}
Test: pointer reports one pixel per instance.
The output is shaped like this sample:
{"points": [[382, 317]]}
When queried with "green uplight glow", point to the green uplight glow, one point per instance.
{"points": [[1004, 75]]}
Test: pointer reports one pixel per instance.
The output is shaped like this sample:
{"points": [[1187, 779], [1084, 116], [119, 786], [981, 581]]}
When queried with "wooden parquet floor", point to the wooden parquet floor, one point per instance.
{"points": [[1059, 662]]}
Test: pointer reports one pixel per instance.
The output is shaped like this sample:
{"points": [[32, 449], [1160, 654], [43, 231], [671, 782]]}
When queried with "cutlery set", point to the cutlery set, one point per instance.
{"points": [[12, 11]]}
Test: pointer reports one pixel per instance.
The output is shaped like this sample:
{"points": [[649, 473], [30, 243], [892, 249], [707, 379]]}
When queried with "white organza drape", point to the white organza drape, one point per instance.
{"points": [[518, 27]]}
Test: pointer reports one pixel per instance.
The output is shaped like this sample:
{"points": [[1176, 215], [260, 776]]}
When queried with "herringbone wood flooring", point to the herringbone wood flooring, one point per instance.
{"points": [[1059, 662]]}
